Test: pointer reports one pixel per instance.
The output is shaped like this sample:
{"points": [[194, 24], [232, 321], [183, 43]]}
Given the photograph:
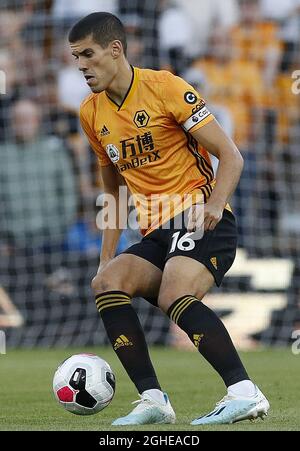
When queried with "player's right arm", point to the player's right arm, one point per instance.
{"points": [[110, 178], [111, 182]]}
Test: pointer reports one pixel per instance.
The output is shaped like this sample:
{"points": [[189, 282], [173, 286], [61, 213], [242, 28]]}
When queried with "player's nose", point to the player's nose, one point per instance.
{"points": [[82, 68]]}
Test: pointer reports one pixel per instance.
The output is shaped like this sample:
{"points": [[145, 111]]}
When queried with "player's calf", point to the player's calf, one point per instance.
{"points": [[127, 338], [114, 287]]}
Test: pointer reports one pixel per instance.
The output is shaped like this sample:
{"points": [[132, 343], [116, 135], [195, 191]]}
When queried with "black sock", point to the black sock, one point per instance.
{"points": [[210, 337], [127, 338]]}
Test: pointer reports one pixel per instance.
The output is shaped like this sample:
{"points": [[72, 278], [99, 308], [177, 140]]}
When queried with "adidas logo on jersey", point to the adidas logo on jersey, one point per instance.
{"points": [[104, 131], [122, 341]]}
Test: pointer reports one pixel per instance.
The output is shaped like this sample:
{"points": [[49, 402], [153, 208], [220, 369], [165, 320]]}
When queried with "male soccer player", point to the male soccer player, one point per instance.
{"points": [[153, 131]]}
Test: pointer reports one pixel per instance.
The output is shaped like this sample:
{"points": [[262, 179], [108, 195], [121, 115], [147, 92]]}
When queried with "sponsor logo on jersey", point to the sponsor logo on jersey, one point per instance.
{"points": [[141, 118], [122, 341], [113, 153], [134, 152], [139, 161], [190, 97], [137, 145]]}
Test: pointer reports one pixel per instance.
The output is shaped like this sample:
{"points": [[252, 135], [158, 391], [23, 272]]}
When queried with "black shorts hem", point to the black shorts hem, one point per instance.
{"points": [[159, 263]]}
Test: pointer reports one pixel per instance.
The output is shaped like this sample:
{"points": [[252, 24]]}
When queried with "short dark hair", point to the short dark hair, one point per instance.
{"points": [[104, 28]]}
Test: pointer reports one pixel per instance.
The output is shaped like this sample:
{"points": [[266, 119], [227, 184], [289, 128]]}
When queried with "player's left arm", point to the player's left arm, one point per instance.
{"points": [[213, 138]]}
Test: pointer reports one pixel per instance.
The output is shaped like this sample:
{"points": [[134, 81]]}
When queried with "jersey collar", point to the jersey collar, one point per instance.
{"points": [[129, 93]]}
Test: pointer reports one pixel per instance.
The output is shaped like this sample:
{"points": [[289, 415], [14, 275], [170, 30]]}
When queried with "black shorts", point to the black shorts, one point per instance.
{"points": [[216, 249]]}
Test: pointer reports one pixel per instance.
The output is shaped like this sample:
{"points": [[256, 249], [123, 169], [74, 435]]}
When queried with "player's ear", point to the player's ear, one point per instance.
{"points": [[116, 49]]}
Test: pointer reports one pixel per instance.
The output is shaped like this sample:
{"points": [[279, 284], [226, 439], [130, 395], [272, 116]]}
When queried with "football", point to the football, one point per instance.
{"points": [[84, 384]]}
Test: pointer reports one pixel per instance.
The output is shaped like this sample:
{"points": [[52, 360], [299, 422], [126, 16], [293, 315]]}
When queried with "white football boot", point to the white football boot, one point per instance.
{"points": [[236, 408], [148, 411]]}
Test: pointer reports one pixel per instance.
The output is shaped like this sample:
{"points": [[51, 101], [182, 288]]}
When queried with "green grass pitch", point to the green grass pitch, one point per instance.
{"points": [[27, 401]]}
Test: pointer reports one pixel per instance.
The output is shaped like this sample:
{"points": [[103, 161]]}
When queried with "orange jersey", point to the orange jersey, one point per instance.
{"points": [[147, 139]]}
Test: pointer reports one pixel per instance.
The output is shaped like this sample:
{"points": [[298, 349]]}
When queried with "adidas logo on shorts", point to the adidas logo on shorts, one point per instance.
{"points": [[214, 262]]}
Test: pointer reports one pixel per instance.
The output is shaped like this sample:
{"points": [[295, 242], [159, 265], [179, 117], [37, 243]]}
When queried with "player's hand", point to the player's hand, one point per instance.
{"points": [[204, 216], [212, 215], [195, 218]]}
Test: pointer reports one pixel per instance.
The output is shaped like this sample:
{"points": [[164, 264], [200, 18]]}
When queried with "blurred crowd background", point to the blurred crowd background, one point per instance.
{"points": [[241, 55]]}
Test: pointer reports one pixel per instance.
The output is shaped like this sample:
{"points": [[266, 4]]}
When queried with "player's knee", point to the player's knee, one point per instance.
{"points": [[98, 284], [166, 298], [104, 282], [165, 301], [163, 304]]}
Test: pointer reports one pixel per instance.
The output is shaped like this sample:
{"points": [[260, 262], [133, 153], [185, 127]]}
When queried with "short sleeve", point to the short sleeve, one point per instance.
{"points": [[185, 104], [86, 123]]}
